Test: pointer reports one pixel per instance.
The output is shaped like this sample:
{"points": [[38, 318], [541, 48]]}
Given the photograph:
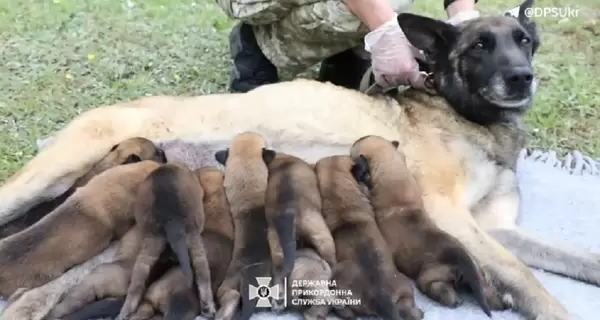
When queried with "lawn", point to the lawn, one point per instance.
{"points": [[59, 58]]}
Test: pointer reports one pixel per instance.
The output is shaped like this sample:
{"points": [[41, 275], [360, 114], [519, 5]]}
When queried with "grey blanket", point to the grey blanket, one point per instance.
{"points": [[560, 204]]}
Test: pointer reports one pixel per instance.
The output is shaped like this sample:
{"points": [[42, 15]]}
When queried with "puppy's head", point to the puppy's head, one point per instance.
{"points": [[335, 175], [247, 145], [367, 152], [482, 67], [134, 150], [211, 178]]}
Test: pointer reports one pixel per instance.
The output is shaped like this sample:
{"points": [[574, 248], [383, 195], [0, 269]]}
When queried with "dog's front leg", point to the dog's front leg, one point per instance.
{"points": [[505, 271]]}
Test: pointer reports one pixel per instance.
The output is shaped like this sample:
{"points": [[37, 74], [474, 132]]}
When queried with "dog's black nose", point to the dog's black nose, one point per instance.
{"points": [[518, 78]]}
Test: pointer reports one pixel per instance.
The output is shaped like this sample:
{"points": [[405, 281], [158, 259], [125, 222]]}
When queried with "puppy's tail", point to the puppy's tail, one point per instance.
{"points": [[106, 308], [459, 257], [249, 273], [176, 237], [286, 230], [380, 302], [182, 306]]}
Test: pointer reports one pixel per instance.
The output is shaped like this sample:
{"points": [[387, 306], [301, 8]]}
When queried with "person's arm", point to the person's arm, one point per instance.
{"points": [[373, 13], [460, 10]]}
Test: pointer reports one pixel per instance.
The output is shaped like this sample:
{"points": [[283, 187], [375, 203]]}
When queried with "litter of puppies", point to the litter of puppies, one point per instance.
{"points": [[217, 243]]}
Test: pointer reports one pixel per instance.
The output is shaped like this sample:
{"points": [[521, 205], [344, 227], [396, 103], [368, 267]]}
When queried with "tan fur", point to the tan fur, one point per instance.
{"points": [[218, 226], [74, 232], [310, 266], [170, 200], [107, 280], [161, 293], [436, 260], [365, 263], [127, 151], [245, 184], [293, 197]]}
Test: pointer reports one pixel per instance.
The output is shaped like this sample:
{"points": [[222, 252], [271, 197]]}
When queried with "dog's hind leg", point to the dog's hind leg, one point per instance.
{"points": [[144, 312], [538, 254], [202, 270], [152, 247], [311, 226], [508, 274]]}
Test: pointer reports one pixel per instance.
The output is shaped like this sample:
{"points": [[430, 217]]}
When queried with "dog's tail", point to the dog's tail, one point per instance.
{"points": [[381, 303], [176, 237], [458, 256], [286, 231], [106, 308], [182, 306], [249, 273]]}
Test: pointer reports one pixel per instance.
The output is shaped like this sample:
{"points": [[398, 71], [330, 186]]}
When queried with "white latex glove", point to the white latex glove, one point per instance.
{"points": [[392, 59], [463, 16]]}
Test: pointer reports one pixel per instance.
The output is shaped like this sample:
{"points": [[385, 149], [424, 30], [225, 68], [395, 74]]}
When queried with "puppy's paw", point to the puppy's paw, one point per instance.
{"points": [[443, 293], [208, 310]]}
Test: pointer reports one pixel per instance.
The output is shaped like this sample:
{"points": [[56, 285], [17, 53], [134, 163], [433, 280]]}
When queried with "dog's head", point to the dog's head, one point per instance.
{"points": [[482, 67]]}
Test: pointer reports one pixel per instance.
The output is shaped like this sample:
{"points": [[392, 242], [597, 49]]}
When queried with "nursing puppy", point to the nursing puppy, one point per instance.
{"points": [[218, 225], [293, 201], [365, 264], [129, 151], [83, 226], [108, 280], [435, 259], [169, 210], [170, 296], [245, 184], [309, 266]]}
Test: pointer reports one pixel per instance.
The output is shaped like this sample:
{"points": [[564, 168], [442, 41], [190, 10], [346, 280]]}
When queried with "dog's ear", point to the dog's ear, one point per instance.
{"points": [[160, 154], [529, 25], [268, 155], [429, 35], [132, 158], [395, 143], [221, 156], [361, 170]]}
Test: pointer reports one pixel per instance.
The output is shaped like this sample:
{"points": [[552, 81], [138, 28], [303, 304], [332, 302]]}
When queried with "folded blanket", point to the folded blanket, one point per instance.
{"points": [[560, 204]]}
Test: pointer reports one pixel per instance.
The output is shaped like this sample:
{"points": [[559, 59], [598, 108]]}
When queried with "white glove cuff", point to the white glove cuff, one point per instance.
{"points": [[373, 37], [463, 16]]}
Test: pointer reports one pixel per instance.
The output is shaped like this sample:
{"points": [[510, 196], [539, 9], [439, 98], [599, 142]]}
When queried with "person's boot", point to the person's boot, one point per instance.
{"points": [[344, 69], [251, 68]]}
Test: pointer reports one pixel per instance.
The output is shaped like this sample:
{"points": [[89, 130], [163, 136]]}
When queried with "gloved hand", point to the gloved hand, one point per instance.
{"points": [[463, 16], [392, 60]]}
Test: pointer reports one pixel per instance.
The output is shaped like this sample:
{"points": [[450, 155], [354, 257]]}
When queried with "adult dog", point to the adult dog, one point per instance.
{"points": [[461, 145]]}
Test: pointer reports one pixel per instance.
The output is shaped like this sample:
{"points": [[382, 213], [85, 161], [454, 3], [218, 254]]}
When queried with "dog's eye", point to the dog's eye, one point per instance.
{"points": [[525, 40], [478, 45]]}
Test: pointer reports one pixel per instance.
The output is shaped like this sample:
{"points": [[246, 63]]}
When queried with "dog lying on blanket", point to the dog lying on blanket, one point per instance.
{"points": [[461, 145]]}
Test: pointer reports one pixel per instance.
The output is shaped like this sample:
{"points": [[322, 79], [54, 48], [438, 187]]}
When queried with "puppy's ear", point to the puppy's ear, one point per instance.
{"points": [[529, 25], [395, 143], [132, 158], [429, 35], [222, 155], [160, 154], [361, 170], [114, 148], [268, 155]]}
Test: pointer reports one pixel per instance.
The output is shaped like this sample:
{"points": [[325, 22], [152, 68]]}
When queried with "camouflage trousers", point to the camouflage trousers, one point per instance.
{"points": [[296, 34]]}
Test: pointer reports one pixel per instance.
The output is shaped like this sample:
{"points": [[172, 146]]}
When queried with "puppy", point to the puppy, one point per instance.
{"points": [[245, 184], [365, 264], [309, 266], [106, 281], [421, 250], [218, 226], [81, 227], [171, 296], [293, 201], [129, 151], [169, 210]]}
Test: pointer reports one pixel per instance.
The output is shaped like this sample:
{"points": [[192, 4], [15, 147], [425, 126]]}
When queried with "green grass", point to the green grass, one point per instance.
{"points": [[59, 58]]}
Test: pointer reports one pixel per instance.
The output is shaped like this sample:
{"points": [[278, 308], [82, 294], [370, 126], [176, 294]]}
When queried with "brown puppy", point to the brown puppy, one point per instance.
{"points": [[293, 201], [309, 266], [77, 230], [106, 281], [169, 210], [129, 151], [218, 226], [245, 185], [171, 296], [421, 250], [365, 264]]}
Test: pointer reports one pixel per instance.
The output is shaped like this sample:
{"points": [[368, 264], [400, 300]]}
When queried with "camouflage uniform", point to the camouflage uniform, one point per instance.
{"points": [[296, 34]]}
